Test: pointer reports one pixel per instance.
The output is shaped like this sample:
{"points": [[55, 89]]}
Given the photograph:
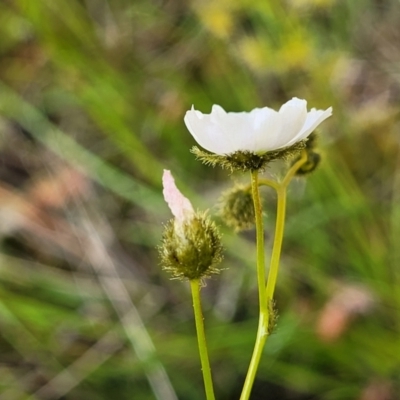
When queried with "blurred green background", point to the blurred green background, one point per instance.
{"points": [[92, 99]]}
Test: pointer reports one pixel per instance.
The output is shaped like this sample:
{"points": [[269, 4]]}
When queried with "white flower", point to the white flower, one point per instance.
{"points": [[258, 131]]}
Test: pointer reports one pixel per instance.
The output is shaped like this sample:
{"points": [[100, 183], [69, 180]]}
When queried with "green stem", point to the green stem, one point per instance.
{"points": [[266, 293], [201, 338], [277, 247], [262, 330], [260, 241], [292, 171], [267, 182], [261, 338], [280, 227]]}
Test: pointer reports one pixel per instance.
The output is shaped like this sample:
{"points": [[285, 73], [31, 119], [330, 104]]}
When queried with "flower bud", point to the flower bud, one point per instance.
{"points": [[191, 250], [312, 163], [237, 208], [313, 157], [191, 245]]}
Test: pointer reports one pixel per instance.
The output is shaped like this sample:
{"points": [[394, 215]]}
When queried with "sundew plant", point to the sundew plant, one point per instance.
{"points": [[191, 247]]}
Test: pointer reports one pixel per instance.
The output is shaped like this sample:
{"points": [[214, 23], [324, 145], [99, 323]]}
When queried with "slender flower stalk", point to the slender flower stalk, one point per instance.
{"points": [[280, 227], [266, 293], [262, 331], [295, 167], [277, 247], [201, 339], [190, 250], [260, 241]]}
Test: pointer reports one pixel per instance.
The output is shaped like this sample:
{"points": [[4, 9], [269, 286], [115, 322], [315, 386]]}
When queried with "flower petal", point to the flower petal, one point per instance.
{"points": [[205, 130], [293, 115], [179, 205], [314, 118], [266, 126], [237, 128], [229, 129]]}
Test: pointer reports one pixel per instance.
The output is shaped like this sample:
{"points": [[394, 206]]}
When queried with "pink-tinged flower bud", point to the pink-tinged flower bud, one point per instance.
{"points": [[191, 245], [179, 205]]}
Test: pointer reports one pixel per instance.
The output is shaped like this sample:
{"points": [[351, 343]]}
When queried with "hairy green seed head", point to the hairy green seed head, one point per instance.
{"points": [[237, 208], [312, 163], [191, 250], [313, 157]]}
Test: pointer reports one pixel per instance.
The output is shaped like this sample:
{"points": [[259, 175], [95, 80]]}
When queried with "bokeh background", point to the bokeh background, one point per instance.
{"points": [[92, 99]]}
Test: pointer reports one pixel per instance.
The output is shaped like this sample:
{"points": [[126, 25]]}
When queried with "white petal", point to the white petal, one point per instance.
{"points": [[234, 130], [206, 130], [217, 112], [266, 128], [237, 130], [179, 205], [223, 129], [293, 116], [314, 118]]}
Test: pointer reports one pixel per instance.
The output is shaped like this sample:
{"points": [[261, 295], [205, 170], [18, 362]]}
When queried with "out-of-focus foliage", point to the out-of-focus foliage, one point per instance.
{"points": [[92, 98]]}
